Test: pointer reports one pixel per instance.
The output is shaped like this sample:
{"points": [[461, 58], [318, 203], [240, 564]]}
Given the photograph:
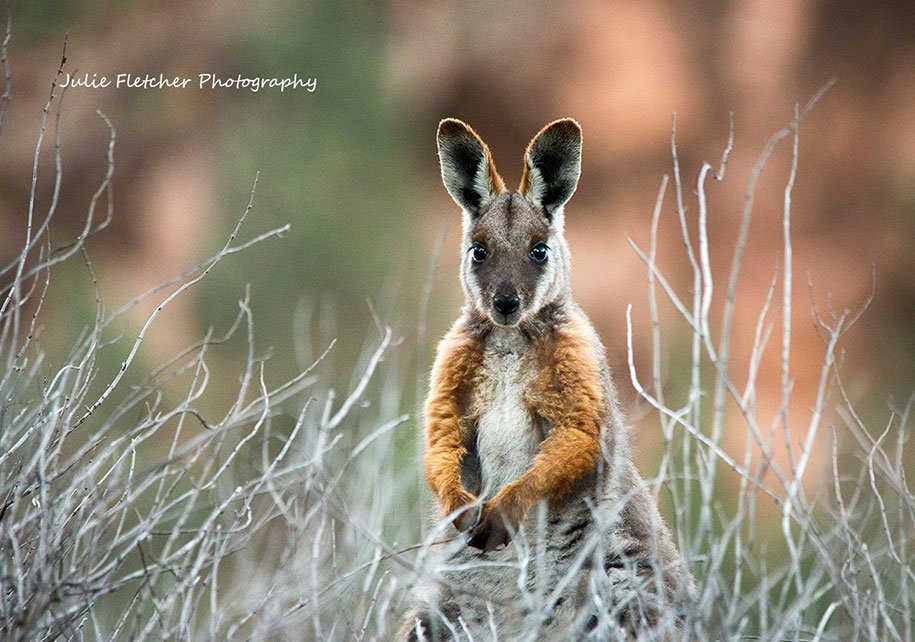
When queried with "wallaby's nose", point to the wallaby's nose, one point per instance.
{"points": [[505, 304]]}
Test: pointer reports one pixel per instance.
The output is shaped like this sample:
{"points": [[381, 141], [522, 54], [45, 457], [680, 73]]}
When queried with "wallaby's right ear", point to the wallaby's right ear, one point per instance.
{"points": [[468, 171]]}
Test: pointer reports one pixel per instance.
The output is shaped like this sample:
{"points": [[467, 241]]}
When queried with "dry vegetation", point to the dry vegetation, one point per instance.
{"points": [[130, 513]]}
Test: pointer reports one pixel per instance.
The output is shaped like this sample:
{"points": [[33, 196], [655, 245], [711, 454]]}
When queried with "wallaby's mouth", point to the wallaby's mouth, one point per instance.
{"points": [[505, 320]]}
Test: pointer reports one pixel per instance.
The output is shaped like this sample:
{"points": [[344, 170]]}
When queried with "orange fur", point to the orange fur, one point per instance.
{"points": [[525, 178], [459, 358], [568, 393], [525, 172], [498, 185]]}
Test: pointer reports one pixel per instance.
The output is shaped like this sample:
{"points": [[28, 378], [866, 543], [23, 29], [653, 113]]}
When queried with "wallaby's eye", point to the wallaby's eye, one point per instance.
{"points": [[478, 252], [539, 253]]}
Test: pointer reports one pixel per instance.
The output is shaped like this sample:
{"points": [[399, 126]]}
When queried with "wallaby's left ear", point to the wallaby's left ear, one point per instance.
{"points": [[552, 165]]}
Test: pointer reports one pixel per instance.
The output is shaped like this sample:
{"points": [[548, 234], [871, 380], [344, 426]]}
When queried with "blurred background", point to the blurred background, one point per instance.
{"points": [[353, 168]]}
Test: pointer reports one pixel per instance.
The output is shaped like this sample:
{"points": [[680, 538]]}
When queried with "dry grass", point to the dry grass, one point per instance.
{"points": [[128, 513]]}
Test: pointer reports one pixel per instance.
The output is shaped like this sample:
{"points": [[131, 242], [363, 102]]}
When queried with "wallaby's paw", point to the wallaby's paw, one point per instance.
{"points": [[468, 518], [456, 507], [491, 533], [509, 505], [500, 520]]}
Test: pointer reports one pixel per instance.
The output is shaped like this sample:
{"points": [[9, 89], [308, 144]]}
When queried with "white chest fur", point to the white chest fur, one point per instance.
{"points": [[508, 436]]}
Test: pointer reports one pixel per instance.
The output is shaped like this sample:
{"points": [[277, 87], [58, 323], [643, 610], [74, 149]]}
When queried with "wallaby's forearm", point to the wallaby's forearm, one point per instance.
{"points": [[457, 362]]}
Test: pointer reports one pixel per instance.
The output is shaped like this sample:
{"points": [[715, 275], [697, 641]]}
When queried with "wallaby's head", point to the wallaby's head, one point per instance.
{"points": [[515, 259]]}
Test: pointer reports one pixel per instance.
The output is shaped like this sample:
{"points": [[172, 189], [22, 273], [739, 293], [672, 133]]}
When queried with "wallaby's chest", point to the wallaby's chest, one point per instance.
{"points": [[509, 431]]}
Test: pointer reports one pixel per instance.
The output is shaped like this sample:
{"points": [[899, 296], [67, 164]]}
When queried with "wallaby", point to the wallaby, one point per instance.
{"points": [[555, 536]]}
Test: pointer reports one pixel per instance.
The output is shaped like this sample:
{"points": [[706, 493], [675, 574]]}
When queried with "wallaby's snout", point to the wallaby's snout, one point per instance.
{"points": [[506, 302]]}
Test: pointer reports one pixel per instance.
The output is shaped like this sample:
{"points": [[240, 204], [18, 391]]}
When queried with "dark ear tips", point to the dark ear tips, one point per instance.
{"points": [[453, 133], [566, 129], [561, 137], [450, 127]]}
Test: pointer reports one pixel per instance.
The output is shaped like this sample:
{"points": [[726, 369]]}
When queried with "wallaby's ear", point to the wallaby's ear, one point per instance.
{"points": [[467, 168], [552, 165]]}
